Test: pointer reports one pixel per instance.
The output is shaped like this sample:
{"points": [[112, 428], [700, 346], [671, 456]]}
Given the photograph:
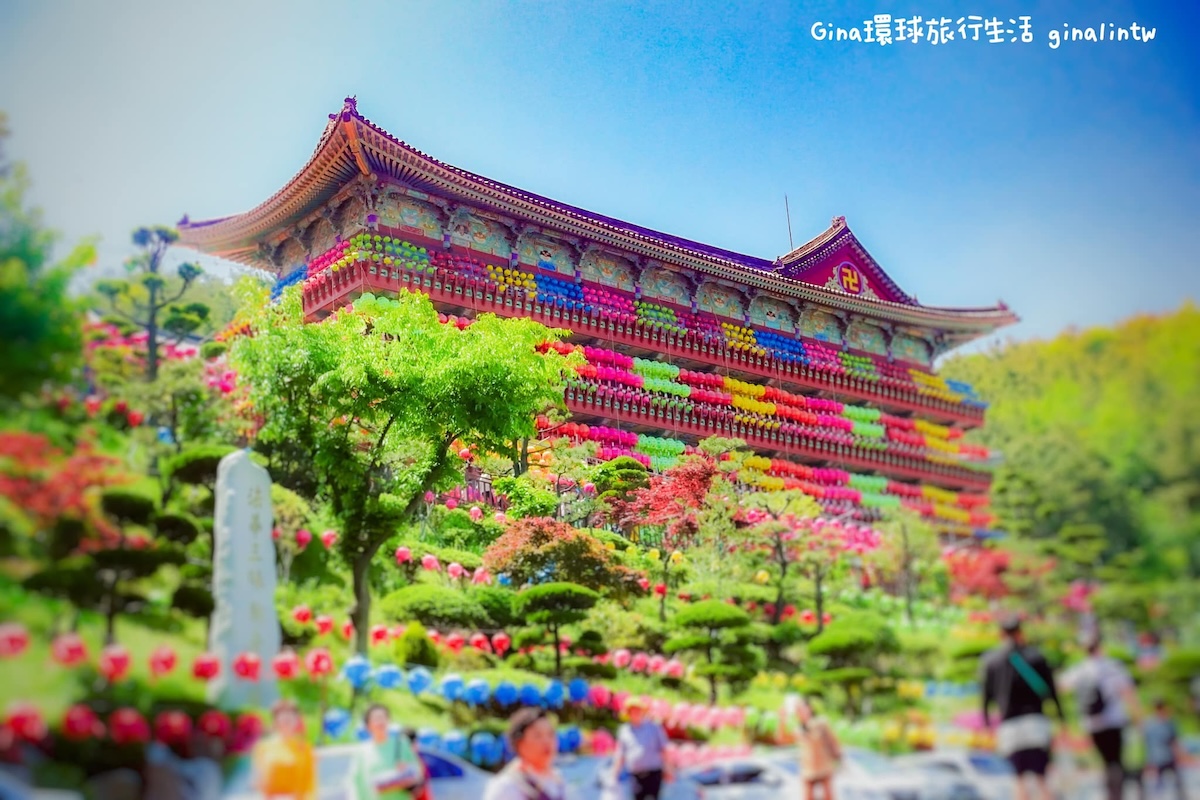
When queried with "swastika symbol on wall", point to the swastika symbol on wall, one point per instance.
{"points": [[849, 278]]}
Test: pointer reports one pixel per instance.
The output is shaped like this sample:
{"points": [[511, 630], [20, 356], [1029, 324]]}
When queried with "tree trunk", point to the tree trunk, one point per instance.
{"points": [[783, 569], [557, 652], [819, 597], [712, 690], [110, 614], [908, 601], [361, 613], [152, 333]]}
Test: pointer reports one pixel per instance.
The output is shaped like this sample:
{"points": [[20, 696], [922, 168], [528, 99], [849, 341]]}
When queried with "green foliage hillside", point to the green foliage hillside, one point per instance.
{"points": [[1100, 427]]}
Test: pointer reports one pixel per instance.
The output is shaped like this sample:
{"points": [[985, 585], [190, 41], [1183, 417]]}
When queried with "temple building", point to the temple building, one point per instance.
{"points": [[816, 358]]}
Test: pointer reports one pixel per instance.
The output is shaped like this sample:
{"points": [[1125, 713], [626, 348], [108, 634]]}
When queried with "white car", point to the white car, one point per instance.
{"points": [[869, 775], [991, 775]]}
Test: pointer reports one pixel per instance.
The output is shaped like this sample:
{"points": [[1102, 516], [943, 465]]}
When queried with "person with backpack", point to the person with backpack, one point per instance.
{"points": [[1017, 678], [1105, 693]]}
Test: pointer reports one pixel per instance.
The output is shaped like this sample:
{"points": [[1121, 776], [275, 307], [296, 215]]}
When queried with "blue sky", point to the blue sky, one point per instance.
{"points": [[1066, 182]]}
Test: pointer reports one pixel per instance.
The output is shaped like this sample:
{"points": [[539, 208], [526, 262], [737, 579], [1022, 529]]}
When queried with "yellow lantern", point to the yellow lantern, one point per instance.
{"points": [[653, 554], [676, 558], [762, 576]]}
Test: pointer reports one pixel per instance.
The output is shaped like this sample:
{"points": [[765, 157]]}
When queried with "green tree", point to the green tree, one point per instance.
{"points": [[437, 607], [149, 299], [777, 532], [553, 606], [361, 410], [910, 551], [41, 335], [720, 632]]}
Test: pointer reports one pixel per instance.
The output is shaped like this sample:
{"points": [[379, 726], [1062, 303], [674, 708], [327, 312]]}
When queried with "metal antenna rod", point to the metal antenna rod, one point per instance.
{"points": [[788, 211]]}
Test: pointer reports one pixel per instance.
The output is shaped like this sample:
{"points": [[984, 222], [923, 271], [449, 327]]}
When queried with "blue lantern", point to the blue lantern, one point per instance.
{"points": [[477, 692], [574, 738], [578, 690], [419, 679], [485, 748], [389, 676], [505, 694], [335, 722], [553, 696], [452, 687], [530, 695], [455, 743], [429, 739], [361, 733], [503, 579], [357, 672]]}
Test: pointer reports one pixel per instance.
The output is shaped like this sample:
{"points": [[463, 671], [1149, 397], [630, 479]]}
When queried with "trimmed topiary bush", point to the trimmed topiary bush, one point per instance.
{"points": [[435, 606]]}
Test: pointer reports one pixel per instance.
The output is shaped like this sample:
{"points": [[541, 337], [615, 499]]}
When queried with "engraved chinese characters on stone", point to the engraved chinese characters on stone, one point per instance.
{"points": [[244, 619]]}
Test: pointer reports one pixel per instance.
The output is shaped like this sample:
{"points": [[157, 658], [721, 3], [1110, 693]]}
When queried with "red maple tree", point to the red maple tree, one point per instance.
{"points": [[674, 500]]}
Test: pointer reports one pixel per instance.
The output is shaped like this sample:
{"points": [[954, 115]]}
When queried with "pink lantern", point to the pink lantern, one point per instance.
{"points": [[622, 658], [681, 712], [674, 668], [398, 631], [206, 667], [172, 727], [80, 723], [302, 614], [430, 497], [434, 636], [602, 742], [481, 577], [114, 662], [644, 583], [329, 538], [619, 700], [455, 570], [500, 517], [501, 642], [429, 561], [285, 665], [403, 555], [162, 661], [318, 662], [476, 513], [656, 664], [639, 662], [14, 638], [451, 503], [599, 695], [26, 722], [247, 666], [465, 454], [68, 650], [303, 537]]}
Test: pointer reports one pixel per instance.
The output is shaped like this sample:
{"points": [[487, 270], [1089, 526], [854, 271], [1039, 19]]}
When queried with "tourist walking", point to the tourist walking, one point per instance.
{"points": [[283, 764], [1017, 678], [642, 752], [392, 770], [531, 775], [820, 751], [1164, 754], [1106, 697]]}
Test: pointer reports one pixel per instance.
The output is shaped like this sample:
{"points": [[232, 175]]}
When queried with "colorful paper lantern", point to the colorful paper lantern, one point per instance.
{"points": [[162, 661], [206, 667], [286, 665], [68, 650], [14, 639], [329, 538], [318, 663], [247, 666], [403, 555], [81, 723], [114, 662], [324, 624], [303, 538], [501, 642], [389, 676], [214, 723], [26, 722], [357, 671], [172, 727], [128, 726]]}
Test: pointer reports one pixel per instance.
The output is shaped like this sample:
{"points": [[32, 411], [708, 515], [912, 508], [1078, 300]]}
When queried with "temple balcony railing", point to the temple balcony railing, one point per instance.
{"points": [[455, 292]]}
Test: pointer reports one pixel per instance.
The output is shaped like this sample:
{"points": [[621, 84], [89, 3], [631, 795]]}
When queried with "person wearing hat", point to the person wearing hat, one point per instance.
{"points": [[531, 775], [1018, 679], [1106, 696], [641, 750]]}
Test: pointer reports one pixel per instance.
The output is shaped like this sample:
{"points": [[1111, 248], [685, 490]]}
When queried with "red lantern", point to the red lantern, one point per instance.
{"points": [[285, 665], [114, 662], [162, 661], [302, 614], [660, 589], [348, 629], [13, 639], [127, 726], [214, 723], [379, 634], [80, 723], [172, 727], [68, 650], [318, 662], [403, 555], [465, 454], [276, 533], [324, 624], [247, 666], [644, 583], [246, 730], [501, 642], [206, 667], [455, 642], [26, 722], [303, 537], [329, 539], [478, 641]]}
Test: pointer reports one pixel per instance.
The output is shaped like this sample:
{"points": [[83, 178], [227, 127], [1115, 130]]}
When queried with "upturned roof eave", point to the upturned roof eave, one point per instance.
{"points": [[236, 237]]}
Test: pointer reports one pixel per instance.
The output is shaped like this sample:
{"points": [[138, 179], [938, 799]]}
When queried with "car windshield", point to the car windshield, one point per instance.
{"points": [[989, 764], [870, 762]]}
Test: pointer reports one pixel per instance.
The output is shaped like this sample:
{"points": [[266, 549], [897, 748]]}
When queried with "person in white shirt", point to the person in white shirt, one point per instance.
{"points": [[1107, 699], [642, 751], [531, 775]]}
